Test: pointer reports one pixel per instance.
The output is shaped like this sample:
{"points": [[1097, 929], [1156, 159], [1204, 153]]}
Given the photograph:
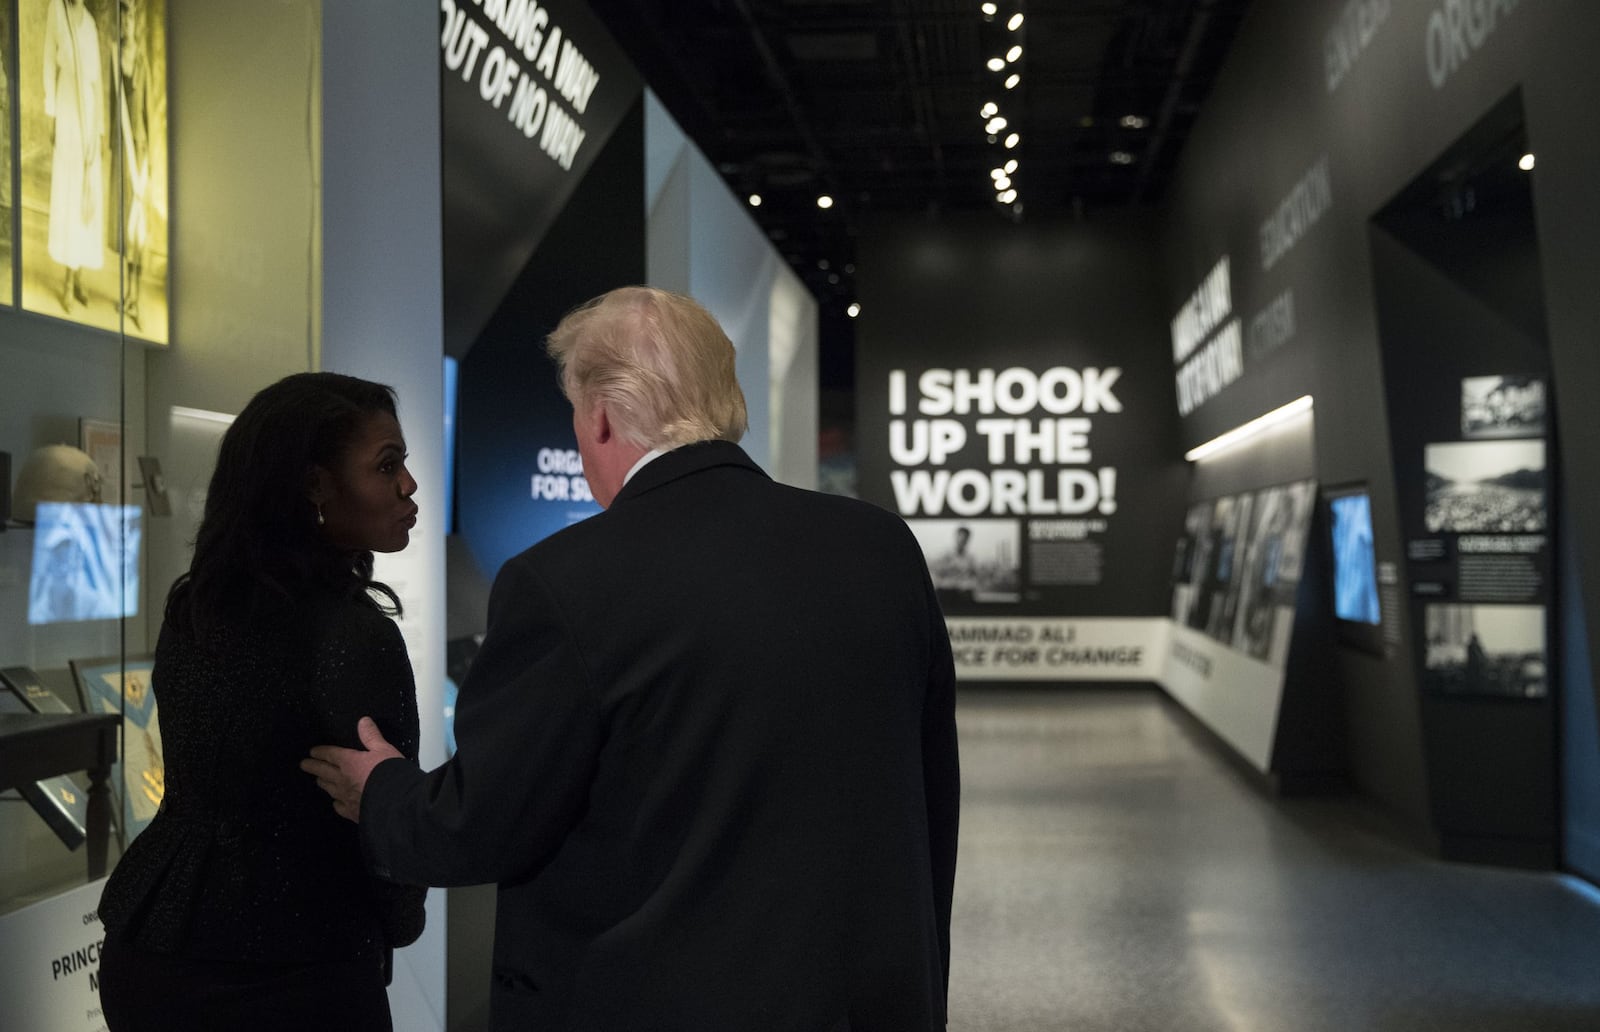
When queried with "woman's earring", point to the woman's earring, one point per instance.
{"points": [[320, 520]]}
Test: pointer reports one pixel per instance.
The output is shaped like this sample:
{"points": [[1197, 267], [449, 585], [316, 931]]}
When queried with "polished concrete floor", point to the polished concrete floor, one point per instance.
{"points": [[1117, 874]]}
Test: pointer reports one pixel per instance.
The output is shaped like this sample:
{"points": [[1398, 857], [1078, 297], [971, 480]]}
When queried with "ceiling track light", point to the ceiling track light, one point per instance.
{"points": [[995, 123]]}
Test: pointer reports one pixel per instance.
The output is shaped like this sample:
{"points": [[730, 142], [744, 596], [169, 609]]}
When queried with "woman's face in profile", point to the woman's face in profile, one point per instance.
{"points": [[367, 502]]}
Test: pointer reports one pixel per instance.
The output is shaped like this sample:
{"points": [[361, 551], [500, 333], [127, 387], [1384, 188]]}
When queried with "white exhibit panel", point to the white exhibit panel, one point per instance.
{"points": [[1233, 694], [1059, 649], [50, 964]]}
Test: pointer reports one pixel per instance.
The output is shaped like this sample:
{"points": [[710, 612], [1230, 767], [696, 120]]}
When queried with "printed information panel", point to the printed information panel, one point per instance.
{"points": [[1234, 694], [1074, 649], [50, 963]]}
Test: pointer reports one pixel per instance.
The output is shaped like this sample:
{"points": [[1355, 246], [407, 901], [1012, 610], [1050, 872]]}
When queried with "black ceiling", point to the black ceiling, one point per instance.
{"points": [[877, 103]]}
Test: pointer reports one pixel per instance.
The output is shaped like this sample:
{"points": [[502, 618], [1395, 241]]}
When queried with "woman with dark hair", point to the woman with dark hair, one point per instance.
{"points": [[246, 903]]}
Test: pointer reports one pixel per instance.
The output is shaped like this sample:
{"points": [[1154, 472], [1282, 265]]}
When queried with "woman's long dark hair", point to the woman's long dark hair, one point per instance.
{"points": [[258, 548]]}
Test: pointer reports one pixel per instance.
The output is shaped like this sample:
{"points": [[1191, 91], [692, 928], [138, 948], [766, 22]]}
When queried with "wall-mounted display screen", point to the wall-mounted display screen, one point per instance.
{"points": [[85, 562], [92, 106], [1355, 571]]}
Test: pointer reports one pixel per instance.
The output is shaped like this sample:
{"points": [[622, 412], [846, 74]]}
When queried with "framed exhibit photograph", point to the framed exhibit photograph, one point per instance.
{"points": [[1485, 487], [108, 685], [1485, 650], [101, 440], [8, 85], [91, 100], [979, 558], [1502, 406]]}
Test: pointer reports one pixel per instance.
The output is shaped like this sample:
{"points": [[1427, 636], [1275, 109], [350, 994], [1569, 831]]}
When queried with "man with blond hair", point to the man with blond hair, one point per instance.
{"points": [[708, 749]]}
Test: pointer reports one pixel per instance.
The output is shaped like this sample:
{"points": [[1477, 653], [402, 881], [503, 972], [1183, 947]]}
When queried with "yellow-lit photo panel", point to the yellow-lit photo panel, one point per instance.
{"points": [[91, 78], [8, 219]]}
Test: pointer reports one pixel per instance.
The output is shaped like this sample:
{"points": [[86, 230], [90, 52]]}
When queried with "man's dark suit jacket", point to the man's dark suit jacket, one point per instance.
{"points": [[708, 752]]}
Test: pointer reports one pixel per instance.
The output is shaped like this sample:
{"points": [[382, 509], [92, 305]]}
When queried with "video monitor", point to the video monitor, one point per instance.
{"points": [[85, 562], [1355, 574]]}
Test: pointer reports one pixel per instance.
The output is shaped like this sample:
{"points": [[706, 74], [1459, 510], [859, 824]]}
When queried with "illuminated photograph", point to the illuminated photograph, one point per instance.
{"points": [[1485, 487], [110, 685], [93, 205], [978, 558], [1485, 650], [8, 80], [1502, 406]]}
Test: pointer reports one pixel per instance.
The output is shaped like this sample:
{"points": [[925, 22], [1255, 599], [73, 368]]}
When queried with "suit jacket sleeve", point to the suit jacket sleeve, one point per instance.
{"points": [[941, 771], [528, 733]]}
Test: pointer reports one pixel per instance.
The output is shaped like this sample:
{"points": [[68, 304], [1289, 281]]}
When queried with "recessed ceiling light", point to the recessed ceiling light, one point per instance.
{"points": [[755, 200], [1007, 197], [853, 309], [1012, 141], [1016, 22], [1012, 80], [1003, 183], [988, 110], [1010, 166], [1526, 164], [996, 63], [824, 201], [989, 9], [1014, 53], [996, 124]]}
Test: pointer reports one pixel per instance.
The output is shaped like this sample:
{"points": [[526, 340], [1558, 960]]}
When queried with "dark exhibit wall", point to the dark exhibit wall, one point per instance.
{"points": [[1326, 112], [1014, 405], [542, 143], [519, 475], [529, 95]]}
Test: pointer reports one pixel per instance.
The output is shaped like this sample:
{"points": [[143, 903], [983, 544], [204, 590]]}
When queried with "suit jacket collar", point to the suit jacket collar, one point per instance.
{"points": [[682, 462]]}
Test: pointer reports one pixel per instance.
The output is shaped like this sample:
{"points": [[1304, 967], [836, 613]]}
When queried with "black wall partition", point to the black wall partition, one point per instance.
{"points": [[1014, 405], [1315, 247]]}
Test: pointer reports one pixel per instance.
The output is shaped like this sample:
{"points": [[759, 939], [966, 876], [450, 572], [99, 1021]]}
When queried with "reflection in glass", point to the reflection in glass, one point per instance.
{"points": [[85, 563]]}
